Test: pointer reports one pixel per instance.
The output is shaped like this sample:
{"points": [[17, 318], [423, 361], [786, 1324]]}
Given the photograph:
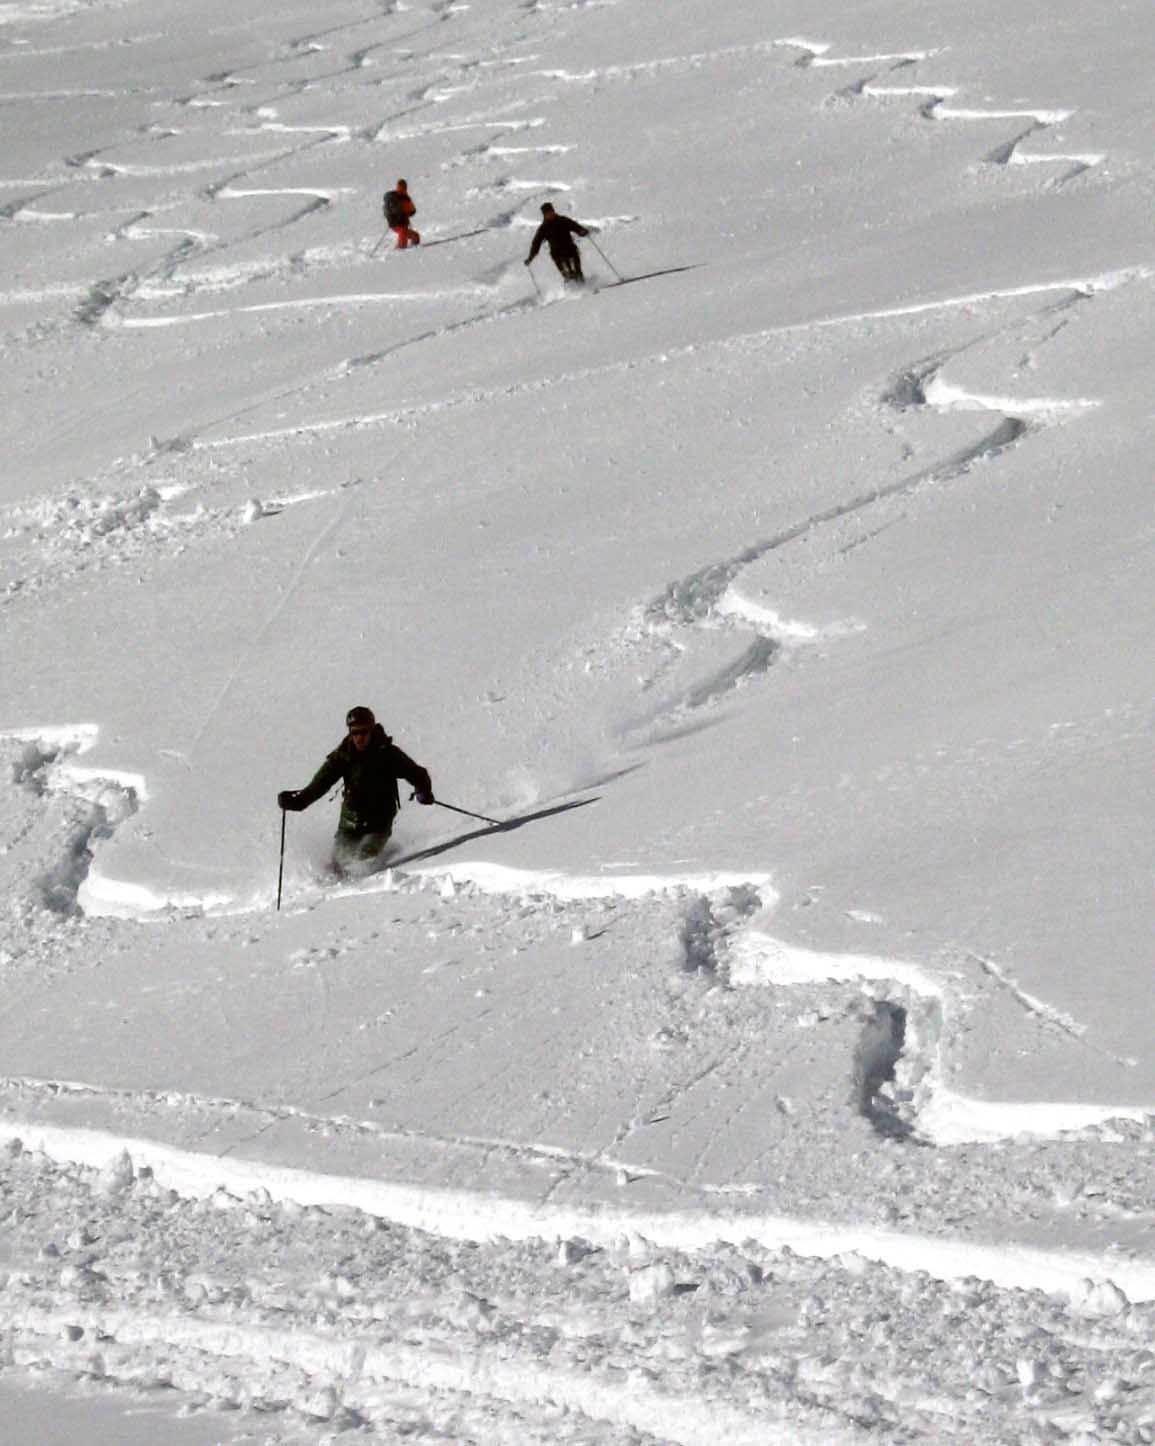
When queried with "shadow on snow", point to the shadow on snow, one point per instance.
{"points": [[461, 236], [648, 276], [507, 826]]}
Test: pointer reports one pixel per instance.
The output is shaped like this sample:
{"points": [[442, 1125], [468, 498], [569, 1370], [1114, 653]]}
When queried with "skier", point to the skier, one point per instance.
{"points": [[557, 232], [369, 763], [399, 207]]}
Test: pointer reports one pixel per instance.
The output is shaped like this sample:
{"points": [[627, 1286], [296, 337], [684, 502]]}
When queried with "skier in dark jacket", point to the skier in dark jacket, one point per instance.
{"points": [[399, 208], [557, 232], [369, 764]]}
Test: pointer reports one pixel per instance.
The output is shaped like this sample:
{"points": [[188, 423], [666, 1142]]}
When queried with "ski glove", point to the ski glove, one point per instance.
{"points": [[291, 800], [424, 797]]}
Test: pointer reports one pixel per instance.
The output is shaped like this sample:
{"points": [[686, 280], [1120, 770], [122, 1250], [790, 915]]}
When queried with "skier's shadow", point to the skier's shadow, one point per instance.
{"points": [[461, 236], [648, 276], [507, 826]]}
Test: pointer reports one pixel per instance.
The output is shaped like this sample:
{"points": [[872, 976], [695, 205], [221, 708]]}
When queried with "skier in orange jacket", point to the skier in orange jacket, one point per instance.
{"points": [[399, 208]]}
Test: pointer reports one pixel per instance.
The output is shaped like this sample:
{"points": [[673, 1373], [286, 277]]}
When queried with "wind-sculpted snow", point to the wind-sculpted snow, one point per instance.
{"points": [[777, 1067]]}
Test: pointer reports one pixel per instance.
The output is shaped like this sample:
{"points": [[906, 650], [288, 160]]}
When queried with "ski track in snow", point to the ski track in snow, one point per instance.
{"points": [[711, 597], [936, 104], [231, 183], [480, 396], [561, 1163]]}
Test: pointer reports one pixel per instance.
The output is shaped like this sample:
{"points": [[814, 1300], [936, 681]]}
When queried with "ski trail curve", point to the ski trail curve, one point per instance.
{"points": [[937, 103]]}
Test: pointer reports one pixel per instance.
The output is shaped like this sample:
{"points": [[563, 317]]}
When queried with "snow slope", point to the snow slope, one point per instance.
{"points": [[791, 607]]}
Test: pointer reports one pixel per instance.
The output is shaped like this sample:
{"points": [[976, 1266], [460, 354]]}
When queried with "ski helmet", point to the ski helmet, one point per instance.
{"points": [[359, 718]]}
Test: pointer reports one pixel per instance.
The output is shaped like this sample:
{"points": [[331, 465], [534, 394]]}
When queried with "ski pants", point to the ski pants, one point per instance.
{"points": [[406, 236], [357, 852], [569, 263]]}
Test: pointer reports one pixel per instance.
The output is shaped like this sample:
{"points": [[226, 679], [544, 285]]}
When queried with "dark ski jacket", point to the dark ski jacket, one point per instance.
{"points": [[556, 232], [370, 801], [398, 208]]}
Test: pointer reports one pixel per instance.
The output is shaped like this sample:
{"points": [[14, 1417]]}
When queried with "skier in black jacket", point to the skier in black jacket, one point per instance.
{"points": [[369, 764], [557, 232]]}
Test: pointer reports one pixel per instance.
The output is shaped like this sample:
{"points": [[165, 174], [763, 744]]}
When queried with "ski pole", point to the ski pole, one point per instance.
{"points": [[537, 288], [483, 817], [377, 247], [281, 870], [606, 259]]}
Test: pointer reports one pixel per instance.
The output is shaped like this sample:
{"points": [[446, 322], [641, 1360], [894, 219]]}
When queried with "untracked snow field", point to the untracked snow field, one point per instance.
{"points": [[780, 1068]]}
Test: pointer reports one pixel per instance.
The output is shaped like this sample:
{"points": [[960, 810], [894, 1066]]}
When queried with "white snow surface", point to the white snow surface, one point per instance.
{"points": [[780, 1069]]}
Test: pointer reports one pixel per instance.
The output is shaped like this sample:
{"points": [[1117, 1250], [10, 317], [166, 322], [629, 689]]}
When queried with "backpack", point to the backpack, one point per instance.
{"points": [[396, 211]]}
